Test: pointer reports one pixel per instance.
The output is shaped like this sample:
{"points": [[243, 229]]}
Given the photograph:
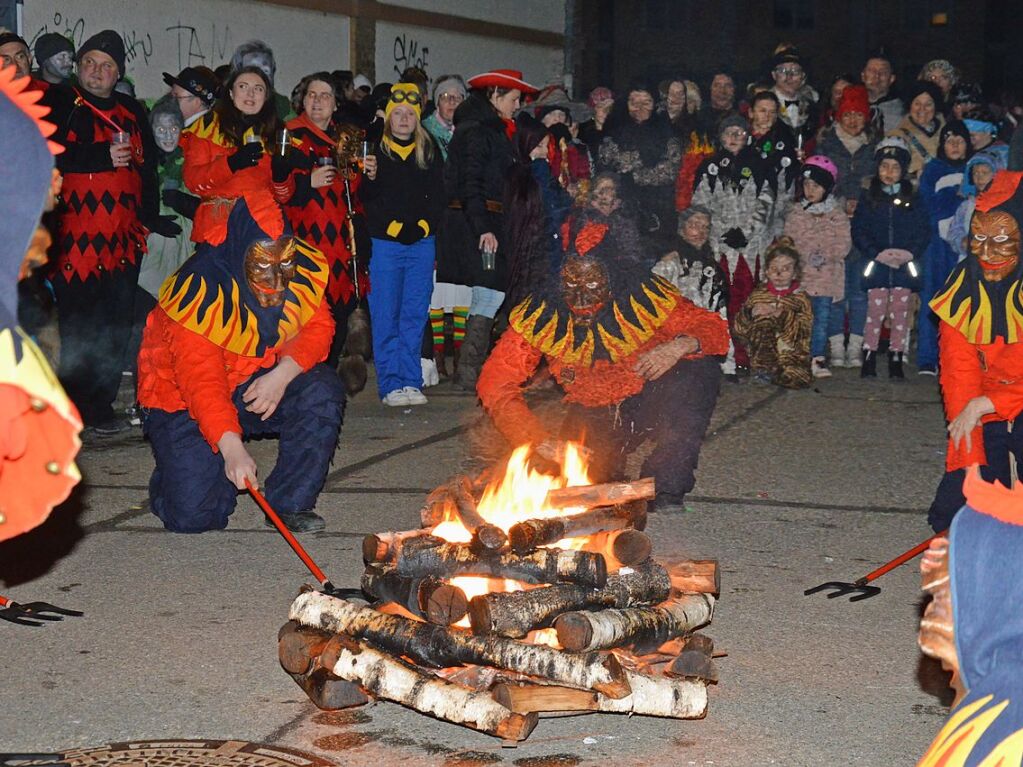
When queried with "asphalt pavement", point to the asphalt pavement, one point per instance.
{"points": [[794, 488]]}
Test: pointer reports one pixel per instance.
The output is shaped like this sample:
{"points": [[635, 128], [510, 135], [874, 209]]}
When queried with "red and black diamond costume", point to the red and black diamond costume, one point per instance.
{"points": [[203, 344], [319, 217], [617, 408], [99, 240]]}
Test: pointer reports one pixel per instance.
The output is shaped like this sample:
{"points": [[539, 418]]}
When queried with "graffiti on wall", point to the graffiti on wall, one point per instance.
{"points": [[408, 52], [138, 45], [191, 50]]}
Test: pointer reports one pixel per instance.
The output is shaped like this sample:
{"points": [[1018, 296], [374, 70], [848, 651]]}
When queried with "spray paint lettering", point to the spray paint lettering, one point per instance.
{"points": [[137, 45], [408, 53], [191, 51]]}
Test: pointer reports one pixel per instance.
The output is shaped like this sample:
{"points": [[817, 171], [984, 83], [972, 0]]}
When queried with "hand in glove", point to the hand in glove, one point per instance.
{"points": [[735, 239], [246, 157], [165, 226], [180, 202], [281, 167], [894, 257]]}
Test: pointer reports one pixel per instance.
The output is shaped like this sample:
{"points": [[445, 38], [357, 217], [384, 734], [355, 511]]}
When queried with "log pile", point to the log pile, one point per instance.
{"points": [[563, 612]]}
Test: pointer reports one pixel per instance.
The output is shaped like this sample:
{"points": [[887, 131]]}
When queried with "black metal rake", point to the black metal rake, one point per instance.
{"points": [[33, 613]]}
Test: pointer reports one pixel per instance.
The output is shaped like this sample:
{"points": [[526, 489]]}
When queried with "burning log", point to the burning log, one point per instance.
{"points": [[431, 598], [420, 557], [488, 539], [432, 513], [651, 696], [695, 661], [392, 679], [298, 646], [621, 548], [517, 613], [610, 494], [441, 647], [526, 536], [695, 576], [383, 547], [648, 627]]}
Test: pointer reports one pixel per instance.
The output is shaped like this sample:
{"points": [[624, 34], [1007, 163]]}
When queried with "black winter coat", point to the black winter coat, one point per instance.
{"points": [[879, 223], [479, 158]]}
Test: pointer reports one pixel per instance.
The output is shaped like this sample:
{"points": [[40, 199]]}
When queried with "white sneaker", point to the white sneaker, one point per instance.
{"points": [[413, 396], [397, 398], [819, 368]]}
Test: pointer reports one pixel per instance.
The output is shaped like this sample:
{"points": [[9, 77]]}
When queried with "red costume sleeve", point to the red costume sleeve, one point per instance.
{"points": [[961, 380], [312, 344], [200, 372], [706, 326], [205, 167], [685, 183], [507, 368]]}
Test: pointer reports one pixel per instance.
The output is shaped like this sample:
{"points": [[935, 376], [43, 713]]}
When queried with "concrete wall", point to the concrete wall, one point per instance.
{"points": [[168, 35]]}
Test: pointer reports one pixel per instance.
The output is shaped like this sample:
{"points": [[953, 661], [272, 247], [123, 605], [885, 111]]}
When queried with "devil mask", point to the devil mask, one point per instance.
{"points": [[995, 241], [585, 288], [269, 268]]}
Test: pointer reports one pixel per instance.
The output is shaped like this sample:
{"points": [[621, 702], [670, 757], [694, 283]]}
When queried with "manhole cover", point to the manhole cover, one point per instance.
{"points": [[190, 753]]}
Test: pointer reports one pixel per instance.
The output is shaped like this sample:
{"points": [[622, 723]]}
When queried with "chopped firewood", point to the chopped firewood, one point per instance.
{"points": [[694, 662], [383, 547], [591, 496], [516, 613], [432, 556], [621, 548], [526, 536], [488, 539], [298, 646], [465, 502], [694, 576], [644, 627], [441, 647], [431, 598], [328, 692], [392, 679], [651, 696], [437, 503]]}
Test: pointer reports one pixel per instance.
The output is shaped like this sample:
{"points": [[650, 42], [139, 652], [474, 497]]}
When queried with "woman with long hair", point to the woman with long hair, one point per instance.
{"points": [[227, 154], [316, 192], [404, 196]]}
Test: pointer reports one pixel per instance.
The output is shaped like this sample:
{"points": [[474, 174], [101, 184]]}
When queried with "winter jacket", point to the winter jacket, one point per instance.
{"points": [[697, 276], [854, 170], [959, 227], [404, 202], [479, 157], [939, 193], [923, 146], [740, 199], [822, 236], [880, 223]]}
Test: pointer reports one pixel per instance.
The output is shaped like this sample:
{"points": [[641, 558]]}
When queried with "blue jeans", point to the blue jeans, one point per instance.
{"points": [[855, 302], [939, 260], [399, 304], [486, 302], [189, 490], [823, 308]]}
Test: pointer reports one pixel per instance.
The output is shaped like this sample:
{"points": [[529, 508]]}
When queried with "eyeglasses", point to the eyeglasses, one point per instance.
{"points": [[735, 133], [325, 96], [456, 97], [186, 97], [789, 71], [400, 97]]}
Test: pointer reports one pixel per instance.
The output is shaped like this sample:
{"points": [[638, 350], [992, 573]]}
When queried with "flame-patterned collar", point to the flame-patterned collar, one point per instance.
{"points": [[979, 310], [210, 296]]}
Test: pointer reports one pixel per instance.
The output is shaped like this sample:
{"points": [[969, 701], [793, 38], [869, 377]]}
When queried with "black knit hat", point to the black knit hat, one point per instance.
{"points": [[51, 44], [954, 128], [917, 87], [108, 42], [199, 81], [9, 37]]}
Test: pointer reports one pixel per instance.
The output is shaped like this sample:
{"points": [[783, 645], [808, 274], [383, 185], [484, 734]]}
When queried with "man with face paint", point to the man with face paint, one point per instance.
{"points": [[55, 57], [636, 360], [980, 349], [233, 351]]}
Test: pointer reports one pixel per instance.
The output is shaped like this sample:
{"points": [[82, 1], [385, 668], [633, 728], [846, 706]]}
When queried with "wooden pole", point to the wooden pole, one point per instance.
{"points": [[648, 627], [527, 535], [590, 496], [431, 598]]}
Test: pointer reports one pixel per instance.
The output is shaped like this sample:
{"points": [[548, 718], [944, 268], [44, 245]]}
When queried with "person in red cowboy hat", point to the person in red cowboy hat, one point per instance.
{"points": [[469, 248]]}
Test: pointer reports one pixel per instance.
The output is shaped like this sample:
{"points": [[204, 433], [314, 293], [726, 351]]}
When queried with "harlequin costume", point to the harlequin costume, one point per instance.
{"points": [[980, 345], [100, 234], [38, 424], [985, 727], [204, 343], [616, 407], [319, 217]]}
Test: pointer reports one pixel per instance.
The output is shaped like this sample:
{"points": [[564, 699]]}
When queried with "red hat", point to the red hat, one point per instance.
{"points": [[502, 78], [854, 99]]}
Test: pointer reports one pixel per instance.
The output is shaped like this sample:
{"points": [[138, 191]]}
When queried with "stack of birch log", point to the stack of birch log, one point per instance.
{"points": [[619, 625]]}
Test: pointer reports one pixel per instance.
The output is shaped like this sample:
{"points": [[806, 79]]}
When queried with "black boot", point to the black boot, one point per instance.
{"points": [[895, 365], [869, 368], [475, 348]]}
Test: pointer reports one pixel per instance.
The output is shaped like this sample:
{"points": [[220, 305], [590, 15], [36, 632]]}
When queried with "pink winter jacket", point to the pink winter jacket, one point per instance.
{"points": [[823, 242]]}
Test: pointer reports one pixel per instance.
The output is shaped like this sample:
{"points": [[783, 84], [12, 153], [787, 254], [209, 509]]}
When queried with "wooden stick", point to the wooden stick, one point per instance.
{"points": [[621, 548], [694, 576], [591, 496], [431, 598], [391, 679], [419, 557], [437, 502], [515, 614], [488, 539], [298, 646], [648, 627], [383, 547], [527, 535], [301, 649], [441, 647], [465, 502], [651, 696], [695, 661], [328, 692]]}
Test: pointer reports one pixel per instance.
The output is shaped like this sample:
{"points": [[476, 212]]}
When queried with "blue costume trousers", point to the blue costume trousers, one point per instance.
{"points": [[399, 304], [189, 490]]}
